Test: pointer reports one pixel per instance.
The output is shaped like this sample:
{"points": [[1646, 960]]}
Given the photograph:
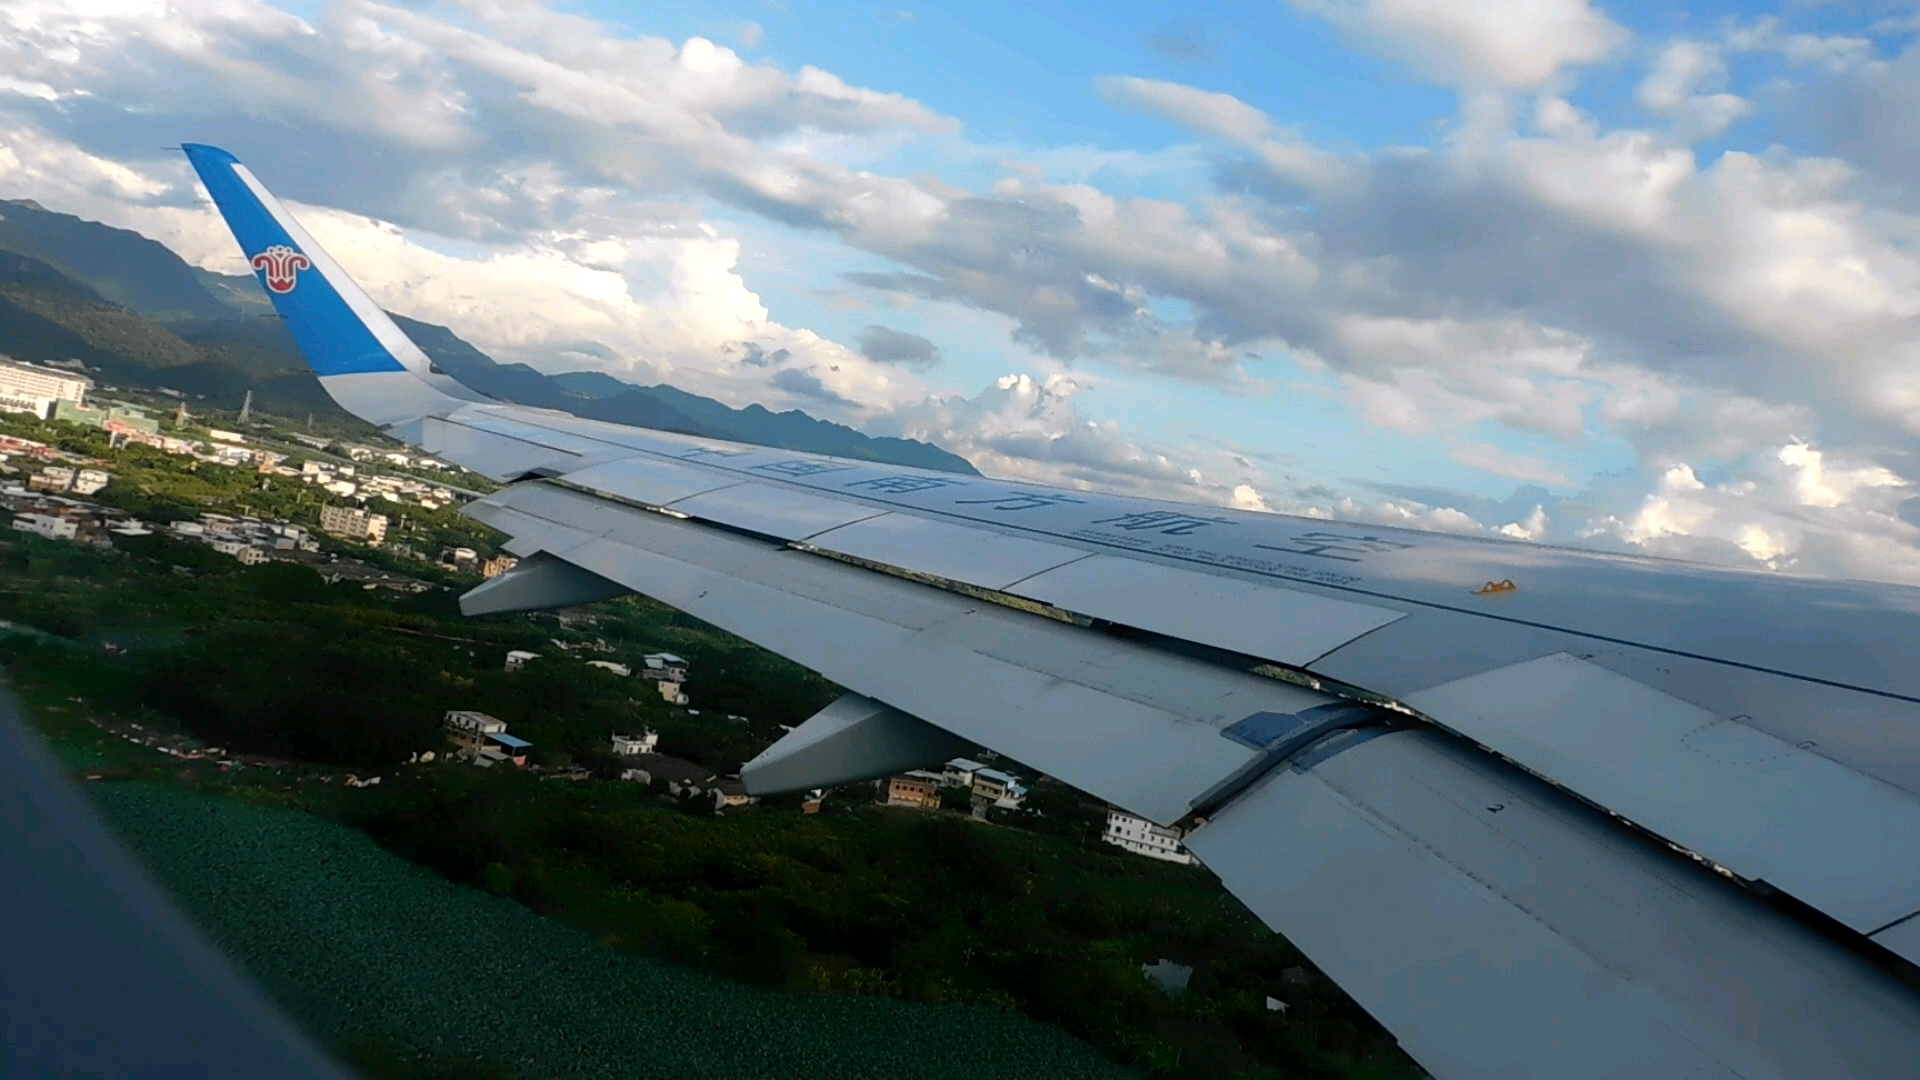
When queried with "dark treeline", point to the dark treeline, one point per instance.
{"points": [[1031, 913]]}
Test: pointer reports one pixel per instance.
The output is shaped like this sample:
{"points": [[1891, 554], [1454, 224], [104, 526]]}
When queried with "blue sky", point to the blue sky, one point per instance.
{"points": [[1022, 76], [1560, 270]]}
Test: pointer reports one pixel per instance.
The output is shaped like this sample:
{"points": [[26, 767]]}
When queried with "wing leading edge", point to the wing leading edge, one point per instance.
{"points": [[1488, 915]]}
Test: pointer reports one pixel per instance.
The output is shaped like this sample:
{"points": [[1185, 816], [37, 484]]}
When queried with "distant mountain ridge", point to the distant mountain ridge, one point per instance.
{"points": [[130, 307], [598, 396]]}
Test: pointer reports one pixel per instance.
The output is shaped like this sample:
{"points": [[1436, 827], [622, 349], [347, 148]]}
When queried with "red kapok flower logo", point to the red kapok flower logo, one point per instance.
{"points": [[283, 266]]}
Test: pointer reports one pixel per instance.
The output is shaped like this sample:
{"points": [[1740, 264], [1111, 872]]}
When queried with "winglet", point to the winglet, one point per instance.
{"points": [[365, 361]]}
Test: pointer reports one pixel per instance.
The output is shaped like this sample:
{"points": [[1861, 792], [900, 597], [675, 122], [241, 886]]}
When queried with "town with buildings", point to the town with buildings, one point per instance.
{"points": [[47, 489]]}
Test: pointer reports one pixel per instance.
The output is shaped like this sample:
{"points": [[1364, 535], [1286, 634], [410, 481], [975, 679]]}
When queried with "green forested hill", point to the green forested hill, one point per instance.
{"points": [[72, 289]]}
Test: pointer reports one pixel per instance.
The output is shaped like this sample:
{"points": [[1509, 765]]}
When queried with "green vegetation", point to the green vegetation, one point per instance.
{"points": [[140, 317], [161, 487], [374, 951], [940, 938]]}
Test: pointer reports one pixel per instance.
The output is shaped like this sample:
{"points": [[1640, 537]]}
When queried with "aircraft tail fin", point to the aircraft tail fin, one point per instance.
{"points": [[365, 361]]}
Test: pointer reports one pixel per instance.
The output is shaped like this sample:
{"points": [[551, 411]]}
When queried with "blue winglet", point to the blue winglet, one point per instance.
{"points": [[339, 329]]}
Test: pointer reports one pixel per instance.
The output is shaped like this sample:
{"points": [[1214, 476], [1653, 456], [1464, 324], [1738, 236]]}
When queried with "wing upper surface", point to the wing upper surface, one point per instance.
{"points": [[1850, 634], [1787, 706], [1869, 733]]}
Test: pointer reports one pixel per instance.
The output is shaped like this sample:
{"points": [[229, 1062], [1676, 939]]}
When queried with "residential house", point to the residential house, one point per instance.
{"points": [[1143, 837], [621, 670], [51, 478], [89, 481], [671, 694], [241, 550], [497, 565], [730, 792], [917, 788], [664, 666], [51, 526], [511, 747], [679, 774], [959, 772], [643, 743], [518, 658], [468, 729], [998, 788]]}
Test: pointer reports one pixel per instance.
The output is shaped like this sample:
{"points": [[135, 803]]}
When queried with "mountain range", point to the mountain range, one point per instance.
{"points": [[138, 315]]}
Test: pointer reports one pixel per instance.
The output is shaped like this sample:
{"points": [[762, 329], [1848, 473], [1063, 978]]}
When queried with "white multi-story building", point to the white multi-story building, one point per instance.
{"points": [[1143, 837], [959, 772], [642, 743], [664, 666], [89, 481], [51, 478], [472, 721], [26, 388], [51, 526], [1001, 789], [354, 524], [239, 549]]}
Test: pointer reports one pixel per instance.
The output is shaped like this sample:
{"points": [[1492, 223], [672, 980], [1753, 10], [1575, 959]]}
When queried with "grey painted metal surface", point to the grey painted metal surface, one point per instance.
{"points": [[1842, 632], [1119, 720], [773, 511], [851, 740], [539, 583], [388, 397], [1844, 843], [1431, 647], [964, 553], [1274, 624], [1872, 734], [1902, 939], [648, 481], [1517, 937], [534, 426], [1502, 931], [103, 976], [497, 457], [1278, 738]]}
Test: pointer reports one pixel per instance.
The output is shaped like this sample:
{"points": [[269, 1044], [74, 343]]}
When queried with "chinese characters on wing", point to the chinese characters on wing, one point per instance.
{"points": [[1335, 546], [1169, 522], [904, 485], [1021, 500], [798, 467]]}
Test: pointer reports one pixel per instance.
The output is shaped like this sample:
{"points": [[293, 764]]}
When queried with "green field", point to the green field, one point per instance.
{"points": [[363, 946], [595, 928]]}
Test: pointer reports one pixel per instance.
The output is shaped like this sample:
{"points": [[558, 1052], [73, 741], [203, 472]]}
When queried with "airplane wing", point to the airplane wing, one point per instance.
{"points": [[1542, 812]]}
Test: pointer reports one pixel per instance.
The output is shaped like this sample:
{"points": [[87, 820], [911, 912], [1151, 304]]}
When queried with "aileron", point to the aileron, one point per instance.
{"points": [[1769, 811]]}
